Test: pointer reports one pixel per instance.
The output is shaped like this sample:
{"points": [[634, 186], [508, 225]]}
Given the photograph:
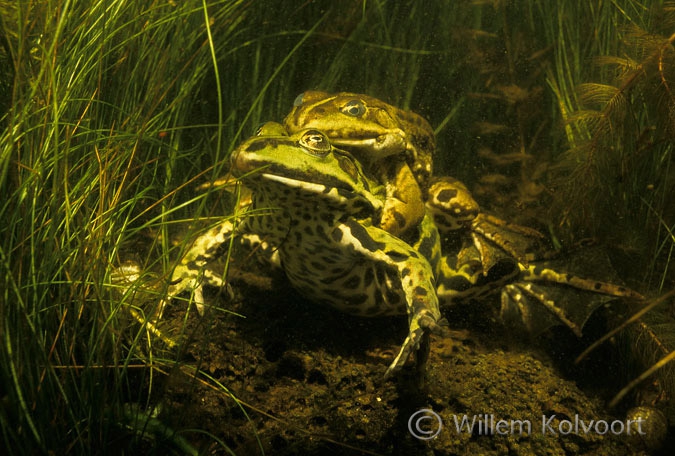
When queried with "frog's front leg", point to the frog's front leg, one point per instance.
{"points": [[415, 283], [423, 319], [191, 274], [403, 207]]}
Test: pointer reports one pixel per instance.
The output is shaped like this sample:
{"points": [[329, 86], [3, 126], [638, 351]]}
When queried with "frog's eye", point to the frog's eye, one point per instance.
{"points": [[298, 99], [354, 108], [315, 142]]}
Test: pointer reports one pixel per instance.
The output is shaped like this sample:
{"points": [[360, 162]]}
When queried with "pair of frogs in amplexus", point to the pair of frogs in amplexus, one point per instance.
{"points": [[360, 223]]}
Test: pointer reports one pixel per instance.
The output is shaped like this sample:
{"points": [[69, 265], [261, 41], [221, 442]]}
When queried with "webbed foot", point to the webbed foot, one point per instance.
{"points": [[185, 279]]}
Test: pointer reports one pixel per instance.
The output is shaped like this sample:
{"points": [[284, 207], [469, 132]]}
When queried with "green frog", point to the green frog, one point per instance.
{"points": [[320, 211], [394, 146]]}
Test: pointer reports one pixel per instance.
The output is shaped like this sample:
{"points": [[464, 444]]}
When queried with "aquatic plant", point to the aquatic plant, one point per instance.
{"points": [[615, 179], [91, 145]]}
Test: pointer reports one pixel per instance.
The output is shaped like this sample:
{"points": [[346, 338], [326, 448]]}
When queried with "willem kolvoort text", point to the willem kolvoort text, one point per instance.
{"points": [[485, 424]]}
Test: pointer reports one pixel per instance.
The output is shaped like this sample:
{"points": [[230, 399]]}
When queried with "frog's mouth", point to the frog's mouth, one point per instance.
{"points": [[339, 192], [302, 184], [393, 143]]}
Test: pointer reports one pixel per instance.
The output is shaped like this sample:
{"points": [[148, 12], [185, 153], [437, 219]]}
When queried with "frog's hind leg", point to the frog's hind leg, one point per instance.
{"points": [[543, 297], [538, 273]]}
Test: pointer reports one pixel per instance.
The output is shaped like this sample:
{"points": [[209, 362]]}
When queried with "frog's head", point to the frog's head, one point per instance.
{"points": [[306, 166], [367, 126]]}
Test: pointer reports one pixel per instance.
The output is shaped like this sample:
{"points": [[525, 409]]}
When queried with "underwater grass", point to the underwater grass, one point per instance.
{"points": [[92, 146]]}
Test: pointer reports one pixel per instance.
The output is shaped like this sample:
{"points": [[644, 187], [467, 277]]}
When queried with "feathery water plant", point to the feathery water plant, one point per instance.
{"points": [[615, 180]]}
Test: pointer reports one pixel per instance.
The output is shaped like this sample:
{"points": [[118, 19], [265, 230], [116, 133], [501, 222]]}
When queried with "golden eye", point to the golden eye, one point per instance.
{"points": [[354, 108], [315, 142]]}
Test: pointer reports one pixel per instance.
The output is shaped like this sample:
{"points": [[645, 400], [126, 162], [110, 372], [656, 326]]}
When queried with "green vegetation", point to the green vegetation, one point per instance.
{"points": [[96, 138], [112, 112]]}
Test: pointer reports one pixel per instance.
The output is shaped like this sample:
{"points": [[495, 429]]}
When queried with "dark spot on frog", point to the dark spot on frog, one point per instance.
{"points": [[378, 304], [420, 291], [320, 231], [393, 277], [393, 298], [446, 195], [336, 235], [361, 234], [357, 299], [426, 247], [379, 273], [368, 277], [397, 256], [353, 282], [400, 219], [269, 143], [326, 217], [255, 146]]}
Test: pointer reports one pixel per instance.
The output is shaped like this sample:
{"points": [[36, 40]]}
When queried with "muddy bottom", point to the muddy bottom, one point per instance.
{"points": [[286, 377]]}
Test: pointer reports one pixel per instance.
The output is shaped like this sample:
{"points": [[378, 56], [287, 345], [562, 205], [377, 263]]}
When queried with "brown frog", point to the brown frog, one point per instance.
{"points": [[394, 145]]}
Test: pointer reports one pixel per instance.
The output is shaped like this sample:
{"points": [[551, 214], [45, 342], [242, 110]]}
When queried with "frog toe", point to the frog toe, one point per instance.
{"points": [[439, 327], [178, 288], [423, 324], [410, 344]]}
